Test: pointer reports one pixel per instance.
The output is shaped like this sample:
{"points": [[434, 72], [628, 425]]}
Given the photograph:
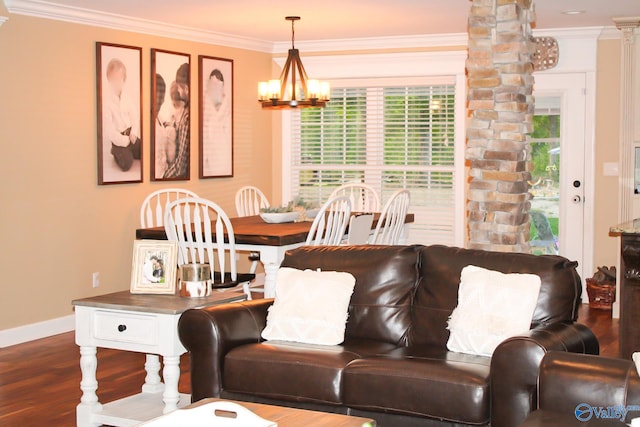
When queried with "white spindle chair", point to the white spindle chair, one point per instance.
{"points": [[249, 201], [205, 236], [391, 222], [330, 223], [152, 215], [364, 198], [155, 204]]}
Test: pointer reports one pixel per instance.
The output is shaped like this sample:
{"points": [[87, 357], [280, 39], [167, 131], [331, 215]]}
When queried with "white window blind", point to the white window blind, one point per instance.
{"points": [[388, 136]]}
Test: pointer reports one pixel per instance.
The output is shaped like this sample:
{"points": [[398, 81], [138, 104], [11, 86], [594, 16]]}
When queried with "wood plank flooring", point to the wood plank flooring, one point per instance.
{"points": [[40, 380]]}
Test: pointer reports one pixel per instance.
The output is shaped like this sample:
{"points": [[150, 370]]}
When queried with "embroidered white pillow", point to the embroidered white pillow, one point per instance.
{"points": [[310, 306], [492, 306]]}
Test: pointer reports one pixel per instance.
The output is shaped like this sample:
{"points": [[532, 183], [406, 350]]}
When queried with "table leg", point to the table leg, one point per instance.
{"points": [[270, 273], [152, 383], [89, 384], [271, 257], [171, 374]]}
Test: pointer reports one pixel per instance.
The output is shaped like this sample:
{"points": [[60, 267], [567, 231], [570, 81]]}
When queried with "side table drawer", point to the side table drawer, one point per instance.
{"points": [[127, 328]]}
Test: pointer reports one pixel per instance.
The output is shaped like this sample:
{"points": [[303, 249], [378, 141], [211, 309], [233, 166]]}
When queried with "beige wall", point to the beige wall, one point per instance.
{"points": [[606, 150], [57, 225]]}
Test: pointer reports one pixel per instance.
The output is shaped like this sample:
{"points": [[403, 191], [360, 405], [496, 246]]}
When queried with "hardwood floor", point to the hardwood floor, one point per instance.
{"points": [[40, 380]]}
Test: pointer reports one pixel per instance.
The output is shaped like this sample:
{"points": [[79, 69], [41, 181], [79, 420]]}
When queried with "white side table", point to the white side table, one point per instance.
{"points": [[140, 323]]}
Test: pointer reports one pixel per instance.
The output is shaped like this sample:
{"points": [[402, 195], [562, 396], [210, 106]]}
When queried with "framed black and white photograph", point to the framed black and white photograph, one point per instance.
{"points": [[170, 123], [154, 267], [216, 117], [119, 96]]}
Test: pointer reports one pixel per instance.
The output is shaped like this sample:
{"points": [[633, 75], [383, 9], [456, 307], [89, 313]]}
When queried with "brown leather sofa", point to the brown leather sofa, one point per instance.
{"points": [[585, 390], [393, 366]]}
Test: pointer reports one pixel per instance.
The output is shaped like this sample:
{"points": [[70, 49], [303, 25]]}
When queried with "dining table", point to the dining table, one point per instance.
{"points": [[270, 240]]}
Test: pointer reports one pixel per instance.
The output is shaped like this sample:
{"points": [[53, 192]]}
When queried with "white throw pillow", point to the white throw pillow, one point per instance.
{"points": [[492, 306], [636, 360], [310, 306]]}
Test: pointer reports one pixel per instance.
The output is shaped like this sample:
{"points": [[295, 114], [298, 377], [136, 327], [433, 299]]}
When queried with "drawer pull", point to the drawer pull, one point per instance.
{"points": [[122, 328]]}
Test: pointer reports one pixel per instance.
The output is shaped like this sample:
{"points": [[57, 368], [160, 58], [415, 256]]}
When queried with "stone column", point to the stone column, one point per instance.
{"points": [[500, 118]]}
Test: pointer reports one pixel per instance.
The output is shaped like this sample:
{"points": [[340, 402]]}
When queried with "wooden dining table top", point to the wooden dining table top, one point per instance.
{"points": [[252, 230]]}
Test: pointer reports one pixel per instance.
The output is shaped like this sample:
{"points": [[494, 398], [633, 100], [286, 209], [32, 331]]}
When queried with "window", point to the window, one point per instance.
{"points": [[390, 136]]}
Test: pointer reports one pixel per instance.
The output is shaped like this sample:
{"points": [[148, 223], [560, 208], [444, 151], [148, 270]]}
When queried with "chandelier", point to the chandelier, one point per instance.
{"points": [[293, 89]]}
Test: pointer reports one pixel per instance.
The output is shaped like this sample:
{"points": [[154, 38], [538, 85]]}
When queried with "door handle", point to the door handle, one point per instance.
{"points": [[576, 199]]}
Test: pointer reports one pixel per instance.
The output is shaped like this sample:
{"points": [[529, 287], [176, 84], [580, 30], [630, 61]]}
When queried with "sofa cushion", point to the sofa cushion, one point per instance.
{"points": [[437, 293], [456, 385], [294, 371], [310, 306], [386, 277], [492, 306]]}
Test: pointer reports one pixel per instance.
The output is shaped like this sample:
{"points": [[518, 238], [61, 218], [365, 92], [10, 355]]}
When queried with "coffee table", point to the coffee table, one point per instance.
{"points": [[291, 417], [141, 323]]}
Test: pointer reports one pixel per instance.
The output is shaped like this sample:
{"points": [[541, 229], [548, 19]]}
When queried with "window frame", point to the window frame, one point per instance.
{"points": [[403, 68]]}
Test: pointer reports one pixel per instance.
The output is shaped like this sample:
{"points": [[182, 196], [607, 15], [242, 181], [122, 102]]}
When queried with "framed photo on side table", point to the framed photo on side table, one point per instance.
{"points": [[154, 267], [119, 96], [170, 118], [216, 117]]}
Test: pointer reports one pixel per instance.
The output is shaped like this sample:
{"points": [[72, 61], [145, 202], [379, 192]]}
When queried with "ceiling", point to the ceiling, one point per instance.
{"points": [[344, 19]]}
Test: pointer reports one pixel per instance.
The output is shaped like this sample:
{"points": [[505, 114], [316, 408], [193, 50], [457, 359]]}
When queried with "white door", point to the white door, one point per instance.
{"points": [[558, 178]]}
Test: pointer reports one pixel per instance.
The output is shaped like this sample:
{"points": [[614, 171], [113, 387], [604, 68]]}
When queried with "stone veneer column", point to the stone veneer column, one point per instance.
{"points": [[500, 118]]}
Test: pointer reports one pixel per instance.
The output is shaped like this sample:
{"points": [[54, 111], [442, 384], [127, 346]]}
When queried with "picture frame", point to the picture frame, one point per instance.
{"points": [[170, 115], [154, 267], [215, 144], [119, 111]]}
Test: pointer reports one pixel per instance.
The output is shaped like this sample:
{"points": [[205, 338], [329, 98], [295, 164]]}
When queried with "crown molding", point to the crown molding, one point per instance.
{"points": [[571, 33], [377, 43], [626, 22], [77, 15], [3, 19]]}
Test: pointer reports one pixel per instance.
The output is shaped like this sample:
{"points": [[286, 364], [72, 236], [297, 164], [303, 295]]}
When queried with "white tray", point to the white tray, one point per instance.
{"points": [[214, 414]]}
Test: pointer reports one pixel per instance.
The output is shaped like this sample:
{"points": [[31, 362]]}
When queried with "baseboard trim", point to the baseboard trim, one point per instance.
{"points": [[34, 331]]}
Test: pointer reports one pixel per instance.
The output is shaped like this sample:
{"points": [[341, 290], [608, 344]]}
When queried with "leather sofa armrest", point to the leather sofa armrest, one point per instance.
{"points": [[568, 380], [515, 364], [210, 333]]}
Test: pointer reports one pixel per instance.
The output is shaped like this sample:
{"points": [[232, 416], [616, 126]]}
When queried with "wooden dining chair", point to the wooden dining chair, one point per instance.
{"points": [[391, 221], [154, 205], [205, 236], [249, 201], [363, 197], [330, 223]]}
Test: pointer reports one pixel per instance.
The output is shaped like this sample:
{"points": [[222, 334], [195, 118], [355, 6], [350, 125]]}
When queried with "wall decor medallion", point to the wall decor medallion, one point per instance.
{"points": [[546, 53]]}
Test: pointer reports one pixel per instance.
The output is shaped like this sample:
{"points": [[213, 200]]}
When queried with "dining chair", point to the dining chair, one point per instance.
{"points": [[364, 198], [330, 223], [205, 236], [152, 215], [391, 221], [249, 201], [155, 204]]}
